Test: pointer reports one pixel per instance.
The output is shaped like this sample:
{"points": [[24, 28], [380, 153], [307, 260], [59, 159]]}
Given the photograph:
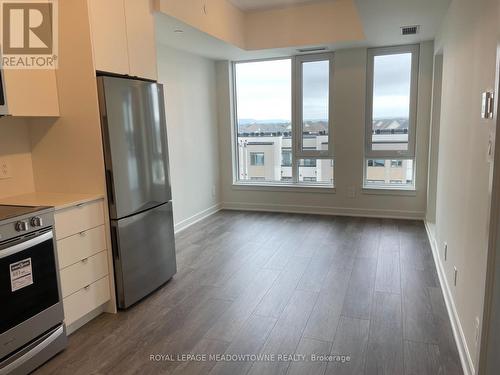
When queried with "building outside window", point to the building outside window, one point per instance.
{"points": [[286, 158], [308, 163], [257, 158], [294, 141], [392, 75], [376, 163]]}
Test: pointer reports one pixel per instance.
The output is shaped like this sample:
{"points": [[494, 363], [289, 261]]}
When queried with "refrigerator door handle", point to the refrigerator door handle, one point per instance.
{"points": [[114, 243], [110, 187]]}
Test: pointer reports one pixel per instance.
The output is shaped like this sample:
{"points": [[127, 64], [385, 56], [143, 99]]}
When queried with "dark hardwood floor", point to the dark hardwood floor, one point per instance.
{"points": [[268, 284]]}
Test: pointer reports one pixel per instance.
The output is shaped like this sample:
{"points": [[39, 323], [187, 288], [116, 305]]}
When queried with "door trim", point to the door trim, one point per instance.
{"points": [[489, 361]]}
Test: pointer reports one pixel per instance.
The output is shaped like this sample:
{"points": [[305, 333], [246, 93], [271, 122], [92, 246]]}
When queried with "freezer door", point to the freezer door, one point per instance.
{"points": [[135, 145], [143, 252]]}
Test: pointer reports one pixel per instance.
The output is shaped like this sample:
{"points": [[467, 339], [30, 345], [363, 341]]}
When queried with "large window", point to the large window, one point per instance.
{"points": [[313, 73], [283, 120], [392, 75]]}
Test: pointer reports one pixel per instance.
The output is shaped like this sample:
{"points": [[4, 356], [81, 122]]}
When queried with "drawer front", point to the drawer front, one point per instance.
{"points": [[77, 247], [86, 300], [78, 218], [83, 273]]}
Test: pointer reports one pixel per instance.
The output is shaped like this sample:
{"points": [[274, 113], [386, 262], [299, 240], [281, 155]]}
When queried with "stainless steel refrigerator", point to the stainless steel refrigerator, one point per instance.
{"points": [[138, 185]]}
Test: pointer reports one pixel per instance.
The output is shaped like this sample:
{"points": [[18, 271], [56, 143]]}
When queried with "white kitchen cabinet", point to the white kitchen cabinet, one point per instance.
{"points": [[109, 35], [78, 304], [76, 248], [123, 37], [31, 92], [82, 274], [83, 258], [79, 218], [141, 38]]}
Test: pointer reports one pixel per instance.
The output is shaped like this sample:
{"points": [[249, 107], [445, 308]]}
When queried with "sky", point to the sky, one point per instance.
{"points": [[391, 85], [264, 88]]}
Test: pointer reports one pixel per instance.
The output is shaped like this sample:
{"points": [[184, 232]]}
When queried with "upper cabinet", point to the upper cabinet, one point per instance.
{"points": [[31, 93], [141, 38], [123, 36], [109, 35]]}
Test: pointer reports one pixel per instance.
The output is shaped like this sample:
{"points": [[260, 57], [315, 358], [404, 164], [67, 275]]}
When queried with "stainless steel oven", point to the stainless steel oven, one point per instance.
{"points": [[31, 316]]}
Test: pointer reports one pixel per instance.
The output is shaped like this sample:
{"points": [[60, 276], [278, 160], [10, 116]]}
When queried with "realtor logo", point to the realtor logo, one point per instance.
{"points": [[29, 34]]}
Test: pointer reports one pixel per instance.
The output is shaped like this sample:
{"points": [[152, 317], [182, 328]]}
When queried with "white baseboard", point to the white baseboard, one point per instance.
{"points": [[458, 333], [324, 210], [186, 223]]}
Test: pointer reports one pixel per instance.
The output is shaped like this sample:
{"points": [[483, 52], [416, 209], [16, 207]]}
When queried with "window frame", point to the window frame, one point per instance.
{"points": [[414, 49], [295, 183], [297, 105]]}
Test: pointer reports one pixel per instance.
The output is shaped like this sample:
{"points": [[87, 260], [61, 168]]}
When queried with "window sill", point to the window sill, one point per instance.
{"points": [[409, 191], [295, 188]]}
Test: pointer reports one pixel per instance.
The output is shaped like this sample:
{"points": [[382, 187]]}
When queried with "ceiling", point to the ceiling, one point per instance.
{"points": [[381, 20], [264, 4]]}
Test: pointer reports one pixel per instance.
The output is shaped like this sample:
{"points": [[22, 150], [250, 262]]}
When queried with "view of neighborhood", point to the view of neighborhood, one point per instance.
{"points": [[265, 152]]}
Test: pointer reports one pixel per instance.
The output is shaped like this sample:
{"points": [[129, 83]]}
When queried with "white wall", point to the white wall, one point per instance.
{"points": [[190, 97], [468, 42], [349, 119]]}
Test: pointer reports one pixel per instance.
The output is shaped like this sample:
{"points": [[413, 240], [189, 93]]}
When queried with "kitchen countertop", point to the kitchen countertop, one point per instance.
{"points": [[57, 200]]}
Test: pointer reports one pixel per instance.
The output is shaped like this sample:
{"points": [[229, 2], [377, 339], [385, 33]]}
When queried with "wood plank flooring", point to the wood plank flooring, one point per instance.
{"points": [[362, 295]]}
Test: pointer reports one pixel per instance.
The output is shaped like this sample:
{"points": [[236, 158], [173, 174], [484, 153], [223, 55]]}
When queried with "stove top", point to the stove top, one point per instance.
{"points": [[9, 212]]}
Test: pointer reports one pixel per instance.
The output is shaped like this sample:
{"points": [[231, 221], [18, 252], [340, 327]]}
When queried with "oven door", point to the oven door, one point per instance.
{"points": [[28, 290]]}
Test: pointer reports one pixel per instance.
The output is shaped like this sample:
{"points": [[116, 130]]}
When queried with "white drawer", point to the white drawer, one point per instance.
{"points": [[83, 273], [73, 249], [76, 219], [86, 300]]}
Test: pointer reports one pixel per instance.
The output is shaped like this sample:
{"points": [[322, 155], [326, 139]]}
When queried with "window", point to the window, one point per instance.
{"points": [[307, 163], [263, 93], [316, 170], [283, 123], [313, 86], [383, 173], [392, 75], [286, 158], [257, 158], [376, 163]]}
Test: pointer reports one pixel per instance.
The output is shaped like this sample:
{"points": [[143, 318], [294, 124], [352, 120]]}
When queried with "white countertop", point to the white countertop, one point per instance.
{"points": [[57, 200]]}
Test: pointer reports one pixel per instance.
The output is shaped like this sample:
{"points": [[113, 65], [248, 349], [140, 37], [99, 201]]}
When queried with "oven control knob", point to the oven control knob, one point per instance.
{"points": [[36, 221], [21, 226]]}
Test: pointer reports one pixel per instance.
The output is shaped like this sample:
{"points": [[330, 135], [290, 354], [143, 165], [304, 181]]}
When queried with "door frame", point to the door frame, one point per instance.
{"points": [[489, 361]]}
